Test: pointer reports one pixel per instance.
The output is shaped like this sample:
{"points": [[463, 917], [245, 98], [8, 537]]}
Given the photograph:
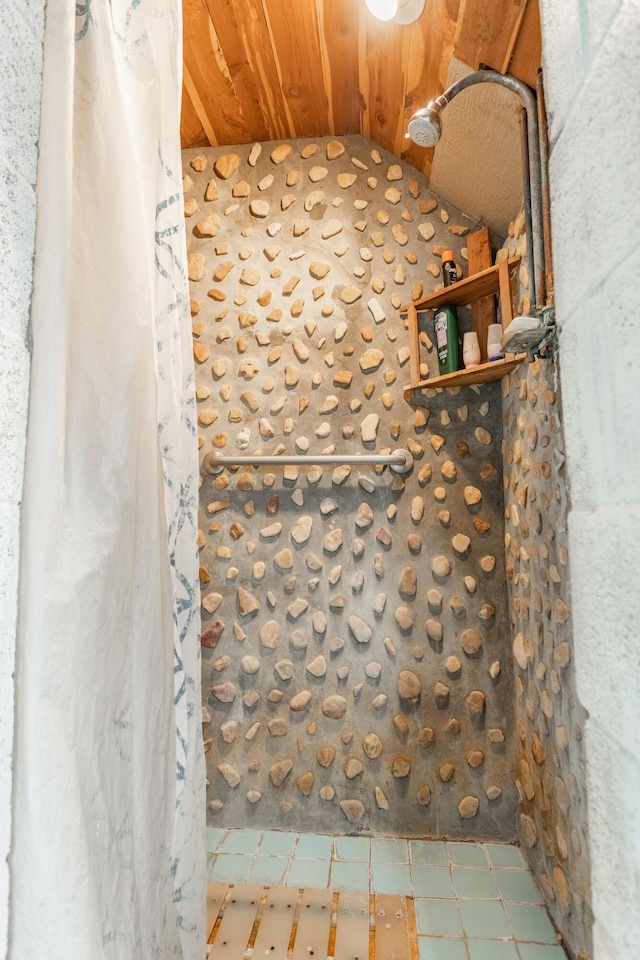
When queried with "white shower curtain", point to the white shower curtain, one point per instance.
{"points": [[108, 856]]}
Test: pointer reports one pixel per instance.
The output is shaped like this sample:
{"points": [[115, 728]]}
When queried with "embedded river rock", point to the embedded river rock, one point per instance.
{"points": [[551, 769], [352, 618]]}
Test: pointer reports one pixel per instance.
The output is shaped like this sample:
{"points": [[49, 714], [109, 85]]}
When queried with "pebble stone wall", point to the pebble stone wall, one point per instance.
{"points": [[357, 667], [550, 773]]}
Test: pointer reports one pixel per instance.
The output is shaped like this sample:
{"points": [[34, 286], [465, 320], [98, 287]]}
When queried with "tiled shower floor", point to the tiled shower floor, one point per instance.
{"points": [[473, 901]]}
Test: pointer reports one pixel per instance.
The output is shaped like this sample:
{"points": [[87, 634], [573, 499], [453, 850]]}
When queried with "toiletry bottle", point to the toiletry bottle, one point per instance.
{"points": [[446, 329], [446, 322], [494, 342], [449, 272], [470, 350]]}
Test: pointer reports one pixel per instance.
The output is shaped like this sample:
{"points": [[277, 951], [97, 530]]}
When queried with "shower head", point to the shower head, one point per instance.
{"points": [[424, 127]]}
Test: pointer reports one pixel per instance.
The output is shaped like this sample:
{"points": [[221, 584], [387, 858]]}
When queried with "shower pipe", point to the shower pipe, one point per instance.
{"points": [[426, 132], [544, 169], [400, 460]]}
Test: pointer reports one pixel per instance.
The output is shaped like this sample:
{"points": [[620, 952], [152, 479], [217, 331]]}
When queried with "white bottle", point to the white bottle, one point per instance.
{"points": [[470, 349], [494, 342]]}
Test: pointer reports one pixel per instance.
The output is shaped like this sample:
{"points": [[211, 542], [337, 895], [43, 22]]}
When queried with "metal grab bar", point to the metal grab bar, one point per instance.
{"points": [[400, 461]]}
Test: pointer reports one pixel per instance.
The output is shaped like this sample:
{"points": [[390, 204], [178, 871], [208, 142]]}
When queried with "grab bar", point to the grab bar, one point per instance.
{"points": [[400, 461]]}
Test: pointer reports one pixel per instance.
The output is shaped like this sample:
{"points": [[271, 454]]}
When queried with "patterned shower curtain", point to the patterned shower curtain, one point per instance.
{"points": [[108, 856]]}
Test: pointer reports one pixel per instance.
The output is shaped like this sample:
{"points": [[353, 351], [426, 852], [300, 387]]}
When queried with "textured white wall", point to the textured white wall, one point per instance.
{"points": [[477, 163], [591, 55], [21, 29]]}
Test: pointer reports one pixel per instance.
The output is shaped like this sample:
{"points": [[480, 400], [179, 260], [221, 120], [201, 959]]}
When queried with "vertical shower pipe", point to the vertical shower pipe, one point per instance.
{"points": [[546, 202], [532, 171], [528, 222]]}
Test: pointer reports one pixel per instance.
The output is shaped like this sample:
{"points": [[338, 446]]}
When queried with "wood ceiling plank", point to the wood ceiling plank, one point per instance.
{"points": [[223, 17], [386, 50], [198, 106], [431, 46], [363, 73], [401, 127], [527, 52], [209, 74], [295, 34], [192, 133], [487, 32], [339, 21], [245, 41]]}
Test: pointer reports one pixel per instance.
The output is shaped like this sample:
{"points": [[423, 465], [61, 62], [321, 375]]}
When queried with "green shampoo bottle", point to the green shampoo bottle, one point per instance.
{"points": [[446, 321], [446, 327]]}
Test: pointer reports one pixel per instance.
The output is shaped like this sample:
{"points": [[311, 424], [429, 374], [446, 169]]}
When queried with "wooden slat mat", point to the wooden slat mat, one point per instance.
{"points": [[284, 923]]}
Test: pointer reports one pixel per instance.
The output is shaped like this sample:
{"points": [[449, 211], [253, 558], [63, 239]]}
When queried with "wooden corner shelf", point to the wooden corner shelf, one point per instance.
{"points": [[483, 373], [485, 283]]}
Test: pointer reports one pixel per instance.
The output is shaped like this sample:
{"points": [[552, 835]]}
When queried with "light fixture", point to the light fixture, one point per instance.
{"points": [[400, 11]]}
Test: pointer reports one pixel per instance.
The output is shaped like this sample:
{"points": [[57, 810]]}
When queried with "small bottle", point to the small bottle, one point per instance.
{"points": [[446, 321], [449, 270], [494, 342], [446, 330], [470, 350]]}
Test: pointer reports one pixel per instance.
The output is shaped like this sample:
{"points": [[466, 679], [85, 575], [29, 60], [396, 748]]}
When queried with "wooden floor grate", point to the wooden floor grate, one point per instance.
{"points": [[285, 923]]}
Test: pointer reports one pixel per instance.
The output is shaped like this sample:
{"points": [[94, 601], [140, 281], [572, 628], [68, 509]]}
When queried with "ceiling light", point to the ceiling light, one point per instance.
{"points": [[400, 11]]}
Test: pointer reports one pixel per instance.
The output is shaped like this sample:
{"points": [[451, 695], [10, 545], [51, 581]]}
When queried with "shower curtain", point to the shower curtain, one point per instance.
{"points": [[108, 850]]}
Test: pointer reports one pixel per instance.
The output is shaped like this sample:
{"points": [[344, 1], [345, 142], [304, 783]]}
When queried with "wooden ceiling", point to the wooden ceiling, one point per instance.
{"points": [[282, 69]]}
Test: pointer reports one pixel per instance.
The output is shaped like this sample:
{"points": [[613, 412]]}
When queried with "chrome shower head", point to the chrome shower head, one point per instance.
{"points": [[424, 127]]}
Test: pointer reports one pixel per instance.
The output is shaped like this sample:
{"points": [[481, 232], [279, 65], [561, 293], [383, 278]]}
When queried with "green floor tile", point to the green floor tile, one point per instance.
{"points": [[433, 949], [432, 882], [391, 878], [539, 951], [389, 851], [353, 848], [241, 841], [505, 855], [314, 847], [309, 873], [492, 950], [530, 923], [231, 868], [484, 919], [268, 870], [214, 837], [276, 844], [438, 918], [350, 876], [472, 882], [467, 854], [517, 885], [429, 852]]}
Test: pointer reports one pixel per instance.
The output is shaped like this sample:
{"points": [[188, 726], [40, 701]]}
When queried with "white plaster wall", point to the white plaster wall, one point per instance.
{"points": [[21, 30], [591, 56]]}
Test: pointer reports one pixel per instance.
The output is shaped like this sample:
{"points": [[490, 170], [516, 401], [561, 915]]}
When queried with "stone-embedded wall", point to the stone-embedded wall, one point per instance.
{"points": [[357, 661], [551, 776]]}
